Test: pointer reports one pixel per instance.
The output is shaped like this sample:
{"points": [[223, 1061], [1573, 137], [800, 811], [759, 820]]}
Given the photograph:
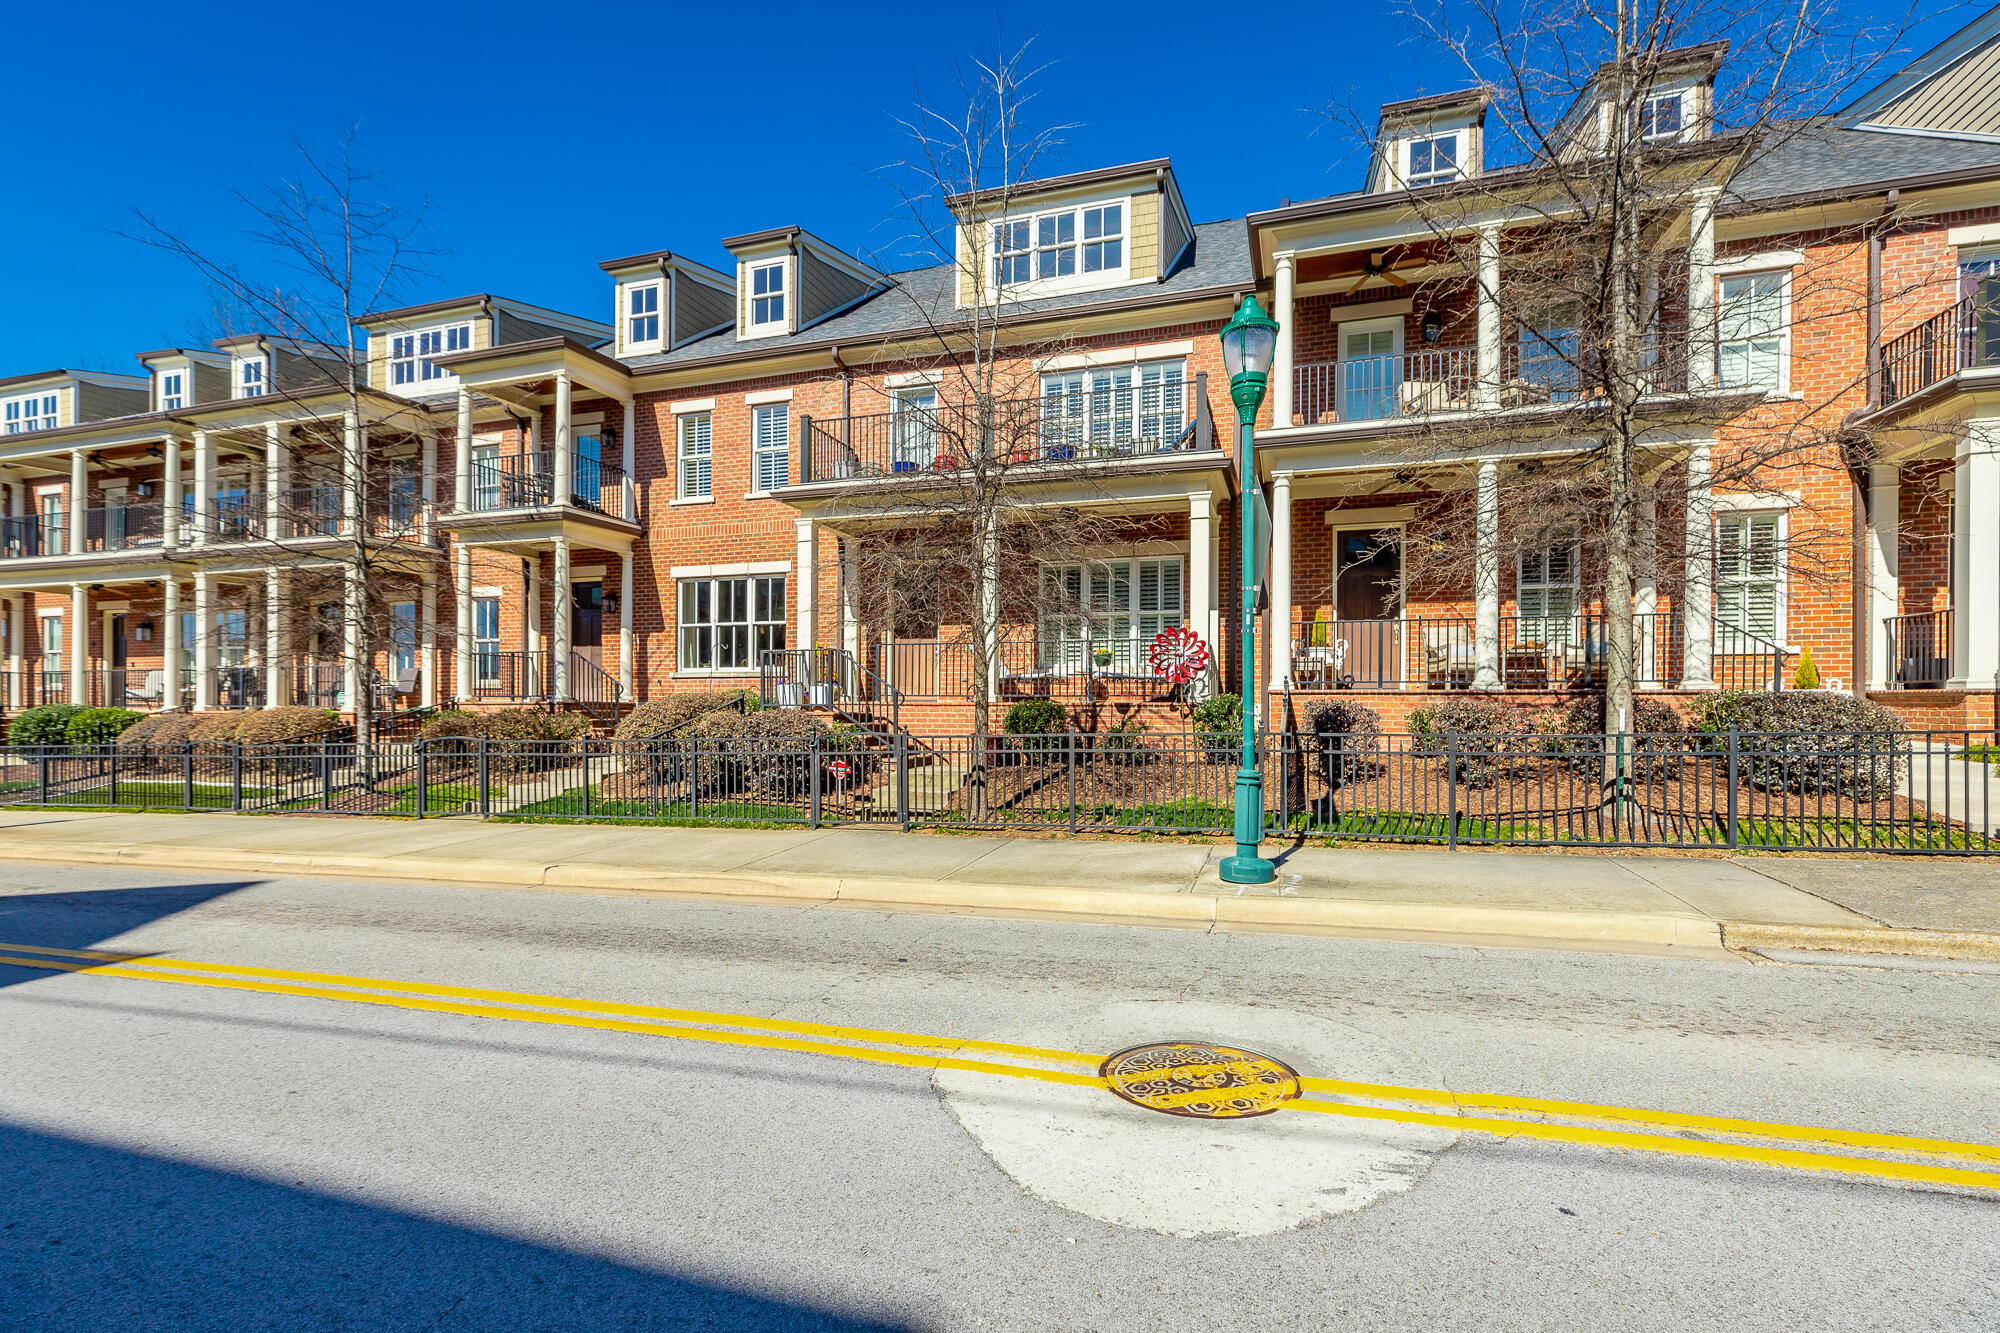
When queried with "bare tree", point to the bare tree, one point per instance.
{"points": [[343, 520], [1587, 255]]}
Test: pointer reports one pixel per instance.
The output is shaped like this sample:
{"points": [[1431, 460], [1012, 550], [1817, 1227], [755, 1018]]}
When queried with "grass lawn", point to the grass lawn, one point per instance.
{"points": [[588, 806], [154, 796]]}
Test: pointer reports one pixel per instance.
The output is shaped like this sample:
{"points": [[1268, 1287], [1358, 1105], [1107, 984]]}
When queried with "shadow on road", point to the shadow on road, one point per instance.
{"points": [[84, 919], [94, 1238]]}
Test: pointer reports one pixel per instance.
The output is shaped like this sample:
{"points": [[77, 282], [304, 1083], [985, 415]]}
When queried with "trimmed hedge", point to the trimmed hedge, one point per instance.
{"points": [[1656, 743], [158, 733], [1037, 726], [1482, 734], [1812, 741], [285, 726], [765, 752], [44, 725], [95, 726], [666, 717], [1219, 721]]}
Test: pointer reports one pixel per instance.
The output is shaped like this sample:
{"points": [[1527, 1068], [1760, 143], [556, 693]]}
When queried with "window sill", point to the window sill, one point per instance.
{"points": [[692, 500]]}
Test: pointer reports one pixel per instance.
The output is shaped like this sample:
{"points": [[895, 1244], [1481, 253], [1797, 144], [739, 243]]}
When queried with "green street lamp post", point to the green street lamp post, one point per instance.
{"points": [[1248, 342]]}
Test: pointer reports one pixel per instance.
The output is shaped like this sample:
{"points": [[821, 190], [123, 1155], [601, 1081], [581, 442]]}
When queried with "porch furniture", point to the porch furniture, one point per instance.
{"points": [[1318, 663], [1449, 656], [406, 680], [153, 690], [1586, 662], [1419, 397], [1526, 667]]}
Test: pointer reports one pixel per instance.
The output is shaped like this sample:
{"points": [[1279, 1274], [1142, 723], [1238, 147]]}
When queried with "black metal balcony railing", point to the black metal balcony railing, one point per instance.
{"points": [[1919, 648], [1061, 426], [527, 481], [123, 527], [1965, 336], [34, 534], [511, 675]]}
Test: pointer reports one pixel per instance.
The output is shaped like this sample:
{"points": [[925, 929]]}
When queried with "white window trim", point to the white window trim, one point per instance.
{"points": [[1118, 356], [183, 375], [757, 454], [752, 326], [1781, 629], [1784, 385], [420, 384], [782, 623], [1689, 111], [688, 405], [1768, 260], [1984, 233], [681, 494], [238, 385], [1393, 323], [679, 572], [658, 315], [1080, 281], [1129, 559], [34, 408], [1406, 150]]}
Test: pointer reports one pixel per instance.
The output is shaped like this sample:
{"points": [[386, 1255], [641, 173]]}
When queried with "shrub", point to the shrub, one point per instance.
{"points": [[1806, 677], [160, 733], [1656, 743], [1344, 735], [285, 726], [766, 752], [666, 717], [1482, 733], [1124, 743], [46, 724], [1036, 724], [1813, 741], [216, 728], [99, 726], [451, 724], [1219, 721]]}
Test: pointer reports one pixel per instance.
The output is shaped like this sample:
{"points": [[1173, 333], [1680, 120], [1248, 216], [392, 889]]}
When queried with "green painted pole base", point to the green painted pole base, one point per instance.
{"points": [[1247, 867], [1251, 869]]}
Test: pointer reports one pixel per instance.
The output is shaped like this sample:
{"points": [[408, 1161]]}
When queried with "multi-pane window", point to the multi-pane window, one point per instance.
{"points": [[642, 314], [1433, 159], [1547, 590], [1055, 245], [1370, 370], [487, 483], [1750, 331], [1012, 256], [1660, 116], [1749, 578], [52, 643], [403, 636], [694, 433], [35, 411], [1549, 352], [727, 624], [770, 451], [913, 422], [250, 381], [1113, 410], [486, 639], [1103, 238], [1105, 614], [410, 353], [767, 295], [1060, 244], [173, 390]]}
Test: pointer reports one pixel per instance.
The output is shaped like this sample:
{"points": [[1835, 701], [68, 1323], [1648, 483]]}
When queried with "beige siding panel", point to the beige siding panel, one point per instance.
{"points": [[378, 359], [1965, 97], [697, 307], [1144, 212]]}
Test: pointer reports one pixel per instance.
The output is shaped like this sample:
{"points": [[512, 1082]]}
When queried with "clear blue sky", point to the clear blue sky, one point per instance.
{"points": [[547, 137]]}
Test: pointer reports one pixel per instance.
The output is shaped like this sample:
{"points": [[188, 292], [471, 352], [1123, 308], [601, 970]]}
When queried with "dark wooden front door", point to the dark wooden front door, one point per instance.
{"points": [[1368, 598], [586, 632]]}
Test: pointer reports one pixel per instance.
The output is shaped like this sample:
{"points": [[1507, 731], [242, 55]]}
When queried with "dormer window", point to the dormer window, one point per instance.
{"points": [[1103, 238], [250, 381], [37, 411], [1432, 159], [767, 297], [642, 314], [173, 390], [1661, 117], [410, 353], [1059, 245]]}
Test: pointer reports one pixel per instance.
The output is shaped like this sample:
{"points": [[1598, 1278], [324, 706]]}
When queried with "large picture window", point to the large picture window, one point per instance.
{"points": [[1749, 579], [726, 624], [1102, 615], [1750, 329], [1113, 410]]}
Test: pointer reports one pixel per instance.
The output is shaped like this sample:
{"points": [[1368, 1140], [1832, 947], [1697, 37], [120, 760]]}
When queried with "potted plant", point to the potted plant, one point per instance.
{"points": [[789, 694], [1101, 656], [821, 694]]}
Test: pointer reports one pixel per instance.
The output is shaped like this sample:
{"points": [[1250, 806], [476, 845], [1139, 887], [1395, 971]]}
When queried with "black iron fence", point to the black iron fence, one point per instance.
{"points": [[1900, 792]]}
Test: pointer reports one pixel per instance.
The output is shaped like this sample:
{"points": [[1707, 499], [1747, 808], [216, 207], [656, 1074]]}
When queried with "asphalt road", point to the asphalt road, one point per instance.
{"points": [[186, 1158]]}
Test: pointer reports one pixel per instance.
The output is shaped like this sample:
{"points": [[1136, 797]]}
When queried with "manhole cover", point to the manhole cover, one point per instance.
{"points": [[1200, 1079]]}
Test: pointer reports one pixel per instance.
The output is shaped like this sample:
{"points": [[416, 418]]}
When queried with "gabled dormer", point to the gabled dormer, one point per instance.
{"points": [[51, 399], [1113, 227], [262, 364], [402, 343], [1670, 99], [788, 279], [1429, 141], [663, 300], [182, 377]]}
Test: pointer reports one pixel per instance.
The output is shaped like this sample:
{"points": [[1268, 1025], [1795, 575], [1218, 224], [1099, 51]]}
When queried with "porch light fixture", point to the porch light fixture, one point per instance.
{"points": [[143, 631], [1249, 342], [1433, 326]]}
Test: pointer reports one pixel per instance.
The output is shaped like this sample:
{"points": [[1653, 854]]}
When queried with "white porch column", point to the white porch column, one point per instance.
{"points": [[170, 494], [1489, 370], [354, 670], [274, 636], [462, 646], [628, 461], [1698, 591], [531, 637], [461, 456], [565, 465], [79, 501], [274, 484], [626, 657], [1701, 289], [203, 516], [807, 567], [850, 596], [1282, 379], [353, 439], [1975, 558], [1201, 567], [427, 640], [559, 604], [1486, 578], [1646, 671], [11, 608], [1885, 500], [1280, 619], [79, 644], [204, 643], [427, 487], [170, 642]]}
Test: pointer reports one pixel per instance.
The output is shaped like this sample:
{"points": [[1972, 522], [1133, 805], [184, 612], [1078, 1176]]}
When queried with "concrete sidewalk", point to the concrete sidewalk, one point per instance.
{"points": [[1932, 907]]}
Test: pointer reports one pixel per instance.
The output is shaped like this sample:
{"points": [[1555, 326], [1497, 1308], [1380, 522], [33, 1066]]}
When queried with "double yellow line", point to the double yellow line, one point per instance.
{"points": [[1771, 1144]]}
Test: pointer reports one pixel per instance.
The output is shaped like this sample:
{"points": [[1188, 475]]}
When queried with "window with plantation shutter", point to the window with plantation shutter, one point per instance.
{"points": [[770, 445], [1103, 615], [1546, 591], [1749, 587], [695, 441]]}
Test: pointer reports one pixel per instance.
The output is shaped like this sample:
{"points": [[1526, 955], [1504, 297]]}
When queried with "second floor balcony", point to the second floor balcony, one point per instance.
{"points": [[504, 482], [1074, 422], [1962, 337]]}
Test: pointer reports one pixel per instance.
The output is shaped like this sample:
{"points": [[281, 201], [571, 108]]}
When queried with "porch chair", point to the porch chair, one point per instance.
{"points": [[1322, 657], [406, 680], [1448, 656], [153, 690]]}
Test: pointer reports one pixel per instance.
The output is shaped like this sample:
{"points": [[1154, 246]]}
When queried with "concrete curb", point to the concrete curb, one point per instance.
{"points": [[1964, 945]]}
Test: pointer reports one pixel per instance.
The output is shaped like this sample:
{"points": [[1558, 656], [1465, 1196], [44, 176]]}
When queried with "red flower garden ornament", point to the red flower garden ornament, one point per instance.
{"points": [[1179, 654]]}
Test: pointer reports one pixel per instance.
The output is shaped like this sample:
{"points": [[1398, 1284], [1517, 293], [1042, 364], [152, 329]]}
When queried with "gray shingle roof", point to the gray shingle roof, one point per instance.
{"points": [[1827, 157], [920, 298]]}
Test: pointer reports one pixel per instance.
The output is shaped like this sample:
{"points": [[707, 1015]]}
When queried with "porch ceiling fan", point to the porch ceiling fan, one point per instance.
{"points": [[1379, 267]]}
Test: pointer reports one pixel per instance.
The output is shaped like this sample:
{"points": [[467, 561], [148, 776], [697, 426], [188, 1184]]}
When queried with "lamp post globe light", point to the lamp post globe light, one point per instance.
{"points": [[1248, 343]]}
